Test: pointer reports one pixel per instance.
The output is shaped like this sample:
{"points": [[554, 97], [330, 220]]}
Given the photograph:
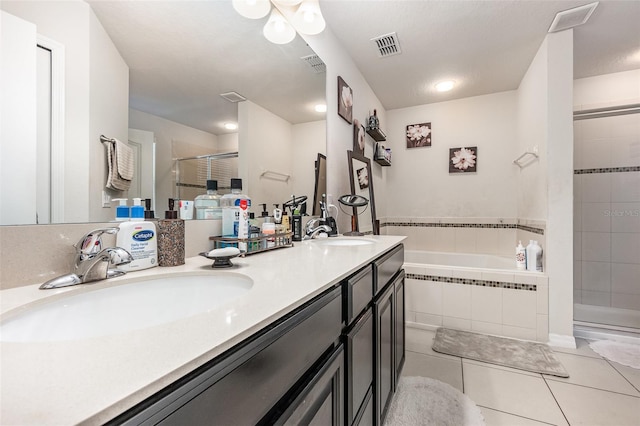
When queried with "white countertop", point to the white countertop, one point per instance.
{"points": [[93, 380]]}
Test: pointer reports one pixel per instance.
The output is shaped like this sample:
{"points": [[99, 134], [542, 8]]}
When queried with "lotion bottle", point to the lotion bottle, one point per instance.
{"points": [[521, 257], [138, 237]]}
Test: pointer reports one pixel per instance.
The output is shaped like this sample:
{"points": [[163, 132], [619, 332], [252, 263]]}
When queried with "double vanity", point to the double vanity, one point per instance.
{"points": [[311, 333]]}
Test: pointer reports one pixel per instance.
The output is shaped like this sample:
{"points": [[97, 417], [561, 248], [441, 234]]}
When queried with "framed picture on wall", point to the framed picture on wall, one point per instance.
{"points": [[358, 136], [418, 135], [345, 101], [463, 160]]}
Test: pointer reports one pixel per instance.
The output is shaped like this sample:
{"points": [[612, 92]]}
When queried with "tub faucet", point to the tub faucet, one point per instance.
{"points": [[92, 262]]}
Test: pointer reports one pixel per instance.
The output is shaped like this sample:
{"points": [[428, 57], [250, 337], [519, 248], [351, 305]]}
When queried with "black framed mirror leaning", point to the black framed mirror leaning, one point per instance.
{"points": [[321, 183], [361, 182]]}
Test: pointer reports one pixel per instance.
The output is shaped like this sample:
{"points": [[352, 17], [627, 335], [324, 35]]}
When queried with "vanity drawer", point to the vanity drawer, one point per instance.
{"points": [[357, 293], [386, 266]]}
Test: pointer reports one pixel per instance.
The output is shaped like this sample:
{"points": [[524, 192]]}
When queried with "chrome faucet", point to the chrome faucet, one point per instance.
{"points": [[92, 262], [314, 227]]}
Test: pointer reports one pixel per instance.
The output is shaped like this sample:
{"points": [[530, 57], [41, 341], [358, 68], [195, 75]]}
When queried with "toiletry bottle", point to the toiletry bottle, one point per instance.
{"points": [[297, 225], [137, 211], [277, 214], [123, 212], [531, 256], [231, 208], [243, 225], [170, 238], [148, 213], [521, 257], [538, 250], [138, 237], [286, 226], [208, 205], [269, 229]]}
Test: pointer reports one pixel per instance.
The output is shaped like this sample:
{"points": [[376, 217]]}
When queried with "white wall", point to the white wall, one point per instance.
{"points": [[308, 139], [264, 144], [339, 132], [418, 183], [169, 134], [73, 24], [615, 89], [18, 121]]}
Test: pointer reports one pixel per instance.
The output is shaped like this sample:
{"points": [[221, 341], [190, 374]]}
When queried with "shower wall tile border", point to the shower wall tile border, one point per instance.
{"points": [[532, 229], [468, 281], [607, 170]]}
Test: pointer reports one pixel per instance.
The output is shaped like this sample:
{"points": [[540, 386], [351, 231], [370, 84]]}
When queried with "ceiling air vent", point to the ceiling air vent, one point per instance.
{"points": [[315, 63], [572, 17], [387, 45], [233, 97]]}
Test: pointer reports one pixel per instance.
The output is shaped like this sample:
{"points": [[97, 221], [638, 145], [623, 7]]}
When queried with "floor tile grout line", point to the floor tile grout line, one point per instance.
{"points": [[620, 373], [515, 415], [503, 368], [591, 387], [556, 400]]}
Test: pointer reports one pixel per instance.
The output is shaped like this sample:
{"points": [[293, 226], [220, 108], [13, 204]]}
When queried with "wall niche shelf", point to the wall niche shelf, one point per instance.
{"points": [[381, 155]]}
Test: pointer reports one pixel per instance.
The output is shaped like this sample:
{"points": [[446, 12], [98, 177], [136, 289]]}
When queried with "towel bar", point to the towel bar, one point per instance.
{"points": [[517, 160]]}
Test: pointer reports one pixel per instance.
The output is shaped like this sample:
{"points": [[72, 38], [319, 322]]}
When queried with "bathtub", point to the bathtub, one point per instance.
{"points": [[476, 292], [464, 260]]}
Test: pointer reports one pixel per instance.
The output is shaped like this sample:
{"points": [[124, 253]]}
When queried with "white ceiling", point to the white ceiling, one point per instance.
{"points": [[183, 54]]}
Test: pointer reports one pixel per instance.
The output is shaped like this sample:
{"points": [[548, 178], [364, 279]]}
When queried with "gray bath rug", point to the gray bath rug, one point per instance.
{"points": [[528, 356], [622, 353], [423, 401]]}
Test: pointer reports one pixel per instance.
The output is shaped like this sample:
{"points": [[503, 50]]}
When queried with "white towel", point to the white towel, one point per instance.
{"points": [[120, 161]]}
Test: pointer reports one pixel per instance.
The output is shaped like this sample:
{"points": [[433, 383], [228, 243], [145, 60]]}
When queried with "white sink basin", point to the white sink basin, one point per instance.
{"points": [[353, 241], [122, 307]]}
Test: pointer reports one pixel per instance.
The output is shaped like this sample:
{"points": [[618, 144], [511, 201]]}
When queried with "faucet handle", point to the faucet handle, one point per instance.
{"points": [[91, 243]]}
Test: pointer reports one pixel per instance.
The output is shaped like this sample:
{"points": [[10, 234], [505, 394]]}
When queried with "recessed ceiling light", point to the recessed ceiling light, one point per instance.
{"points": [[321, 108], [230, 126], [445, 86]]}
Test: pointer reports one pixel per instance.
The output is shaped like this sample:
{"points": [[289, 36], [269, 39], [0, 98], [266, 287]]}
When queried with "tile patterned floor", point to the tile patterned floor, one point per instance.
{"points": [[598, 392]]}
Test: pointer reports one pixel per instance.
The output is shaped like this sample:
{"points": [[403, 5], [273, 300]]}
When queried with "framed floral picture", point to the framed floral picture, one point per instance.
{"points": [[463, 160], [358, 136], [418, 135], [345, 100]]}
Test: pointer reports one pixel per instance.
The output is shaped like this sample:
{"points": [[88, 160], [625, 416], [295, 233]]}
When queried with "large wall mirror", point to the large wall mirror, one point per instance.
{"points": [[180, 57], [361, 181]]}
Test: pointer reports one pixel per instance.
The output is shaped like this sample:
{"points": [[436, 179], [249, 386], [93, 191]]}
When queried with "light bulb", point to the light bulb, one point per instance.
{"points": [[308, 18], [321, 108], [277, 30], [252, 9], [445, 86], [230, 126]]}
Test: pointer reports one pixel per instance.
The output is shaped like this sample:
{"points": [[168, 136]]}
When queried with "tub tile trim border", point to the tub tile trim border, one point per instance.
{"points": [[531, 229], [469, 281]]}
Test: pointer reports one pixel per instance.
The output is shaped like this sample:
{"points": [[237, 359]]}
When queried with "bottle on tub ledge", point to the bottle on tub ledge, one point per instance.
{"points": [[534, 256], [521, 257]]}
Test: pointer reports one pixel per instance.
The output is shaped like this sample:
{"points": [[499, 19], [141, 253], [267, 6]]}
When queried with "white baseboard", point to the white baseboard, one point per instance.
{"points": [[598, 333], [421, 326], [562, 341]]}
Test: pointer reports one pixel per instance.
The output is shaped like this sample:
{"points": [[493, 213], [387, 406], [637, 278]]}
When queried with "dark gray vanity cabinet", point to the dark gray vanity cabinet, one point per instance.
{"points": [[374, 337], [288, 369]]}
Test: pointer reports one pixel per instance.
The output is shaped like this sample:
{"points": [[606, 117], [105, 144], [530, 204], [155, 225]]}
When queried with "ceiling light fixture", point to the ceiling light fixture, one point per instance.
{"points": [[277, 29], [252, 9], [445, 86], [321, 108], [231, 126], [308, 18]]}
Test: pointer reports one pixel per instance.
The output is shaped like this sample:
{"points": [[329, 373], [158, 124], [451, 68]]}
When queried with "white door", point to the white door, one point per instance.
{"points": [[143, 184]]}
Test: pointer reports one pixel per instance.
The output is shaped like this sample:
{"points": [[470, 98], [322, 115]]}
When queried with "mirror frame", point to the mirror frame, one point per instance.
{"points": [[352, 181], [320, 166]]}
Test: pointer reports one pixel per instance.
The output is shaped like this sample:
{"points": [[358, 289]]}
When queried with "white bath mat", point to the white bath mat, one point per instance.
{"points": [[423, 401], [622, 353]]}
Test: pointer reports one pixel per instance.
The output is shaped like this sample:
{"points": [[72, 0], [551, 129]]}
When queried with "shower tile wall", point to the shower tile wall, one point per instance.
{"points": [[607, 211]]}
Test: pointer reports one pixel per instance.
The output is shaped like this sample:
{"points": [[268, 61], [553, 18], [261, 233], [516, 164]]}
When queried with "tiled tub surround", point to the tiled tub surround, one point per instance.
{"points": [[607, 219], [496, 236], [489, 300]]}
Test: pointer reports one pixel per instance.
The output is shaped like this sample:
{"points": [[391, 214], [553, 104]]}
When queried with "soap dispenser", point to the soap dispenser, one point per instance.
{"points": [[171, 238], [122, 210]]}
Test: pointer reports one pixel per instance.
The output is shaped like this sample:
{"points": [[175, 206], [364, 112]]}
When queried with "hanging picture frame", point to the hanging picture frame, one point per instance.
{"points": [[359, 132], [418, 135], [345, 101], [463, 160]]}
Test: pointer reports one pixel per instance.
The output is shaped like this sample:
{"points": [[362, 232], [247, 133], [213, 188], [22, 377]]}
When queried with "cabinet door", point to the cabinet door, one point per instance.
{"points": [[320, 402], [359, 365], [399, 337], [385, 347]]}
